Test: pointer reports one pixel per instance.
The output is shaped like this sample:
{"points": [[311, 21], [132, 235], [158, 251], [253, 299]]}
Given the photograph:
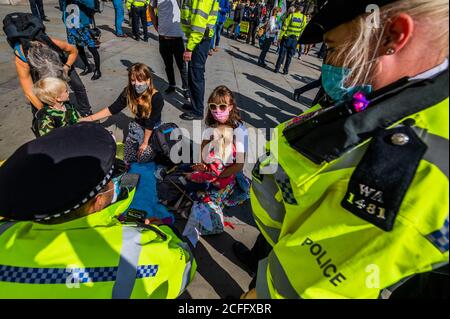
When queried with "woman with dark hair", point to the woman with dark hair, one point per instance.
{"points": [[146, 104], [78, 17]]}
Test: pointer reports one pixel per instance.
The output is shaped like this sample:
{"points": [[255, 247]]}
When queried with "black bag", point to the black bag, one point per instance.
{"points": [[24, 27], [172, 190], [161, 143]]}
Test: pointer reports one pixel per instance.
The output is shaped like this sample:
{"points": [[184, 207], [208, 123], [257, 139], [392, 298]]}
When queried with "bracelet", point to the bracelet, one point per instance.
{"points": [[69, 66]]}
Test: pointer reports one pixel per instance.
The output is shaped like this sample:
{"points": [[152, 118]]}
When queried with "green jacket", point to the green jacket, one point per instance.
{"points": [[331, 208], [48, 119], [93, 257]]}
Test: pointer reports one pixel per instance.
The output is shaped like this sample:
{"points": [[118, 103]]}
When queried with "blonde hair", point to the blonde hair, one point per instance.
{"points": [[48, 89], [222, 143], [360, 51]]}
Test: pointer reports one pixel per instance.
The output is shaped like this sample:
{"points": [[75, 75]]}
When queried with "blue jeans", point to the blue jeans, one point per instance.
{"points": [[197, 76], [213, 39], [217, 33], [118, 8], [287, 50]]}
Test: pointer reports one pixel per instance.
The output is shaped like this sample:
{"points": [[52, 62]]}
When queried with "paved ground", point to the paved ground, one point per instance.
{"points": [[263, 97]]}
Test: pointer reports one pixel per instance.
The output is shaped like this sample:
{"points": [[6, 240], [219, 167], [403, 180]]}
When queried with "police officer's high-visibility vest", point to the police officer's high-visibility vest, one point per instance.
{"points": [[329, 239], [137, 3], [197, 17], [294, 25], [93, 257]]}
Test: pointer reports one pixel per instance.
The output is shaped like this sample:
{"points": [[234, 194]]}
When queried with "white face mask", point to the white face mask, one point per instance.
{"points": [[140, 88]]}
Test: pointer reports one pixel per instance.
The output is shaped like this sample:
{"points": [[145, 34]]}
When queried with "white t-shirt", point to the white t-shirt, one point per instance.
{"points": [[169, 21]]}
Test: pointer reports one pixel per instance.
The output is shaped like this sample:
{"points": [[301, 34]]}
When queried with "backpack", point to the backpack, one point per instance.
{"points": [[171, 191], [161, 143], [25, 27]]}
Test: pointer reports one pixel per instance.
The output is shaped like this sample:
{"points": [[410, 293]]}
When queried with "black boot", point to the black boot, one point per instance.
{"points": [[97, 75], [88, 69]]}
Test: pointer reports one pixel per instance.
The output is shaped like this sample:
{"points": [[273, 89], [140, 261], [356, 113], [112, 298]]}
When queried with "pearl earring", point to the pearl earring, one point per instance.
{"points": [[390, 51]]}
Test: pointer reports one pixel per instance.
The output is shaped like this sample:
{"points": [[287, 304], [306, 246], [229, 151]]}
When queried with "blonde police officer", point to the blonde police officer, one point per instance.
{"points": [[358, 202]]}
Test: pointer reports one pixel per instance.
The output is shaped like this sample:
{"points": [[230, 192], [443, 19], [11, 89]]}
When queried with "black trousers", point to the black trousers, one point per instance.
{"points": [[37, 8], [171, 48], [261, 249], [252, 32], [139, 14]]}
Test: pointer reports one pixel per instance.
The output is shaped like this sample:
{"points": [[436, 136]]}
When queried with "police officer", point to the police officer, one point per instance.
{"points": [[62, 229], [138, 12], [355, 201], [198, 18], [293, 26]]}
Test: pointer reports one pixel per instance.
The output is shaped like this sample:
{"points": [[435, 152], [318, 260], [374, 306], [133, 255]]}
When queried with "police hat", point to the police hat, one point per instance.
{"points": [[56, 173], [333, 13]]}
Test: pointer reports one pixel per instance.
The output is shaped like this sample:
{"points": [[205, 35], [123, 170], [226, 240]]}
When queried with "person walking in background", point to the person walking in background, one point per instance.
{"points": [[292, 28], [37, 8], [254, 14], [138, 11], [168, 25], [224, 10], [272, 29], [197, 19], [238, 14], [119, 17], [78, 17]]}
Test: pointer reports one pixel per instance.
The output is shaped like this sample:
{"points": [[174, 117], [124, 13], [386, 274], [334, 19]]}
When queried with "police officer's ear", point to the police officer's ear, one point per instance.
{"points": [[397, 34]]}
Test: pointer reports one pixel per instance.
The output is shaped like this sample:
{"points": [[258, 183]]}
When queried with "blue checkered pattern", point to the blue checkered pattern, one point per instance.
{"points": [[284, 183], [26, 275], [439, 238], [146, 271]]}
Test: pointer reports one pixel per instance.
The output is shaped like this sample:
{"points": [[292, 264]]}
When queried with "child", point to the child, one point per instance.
{"points": [[223, 156], [57, 110]]}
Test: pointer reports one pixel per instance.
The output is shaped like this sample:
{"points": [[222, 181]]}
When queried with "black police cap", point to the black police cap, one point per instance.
{"points": [[56, 173], [333, 13]]}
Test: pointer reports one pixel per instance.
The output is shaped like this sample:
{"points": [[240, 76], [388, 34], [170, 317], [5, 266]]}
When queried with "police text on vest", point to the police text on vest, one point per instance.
{"points": [[329, 269]]}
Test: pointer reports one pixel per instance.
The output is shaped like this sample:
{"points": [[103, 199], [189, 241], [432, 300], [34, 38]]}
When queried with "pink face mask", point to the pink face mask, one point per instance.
{"points": [[221, 116]]}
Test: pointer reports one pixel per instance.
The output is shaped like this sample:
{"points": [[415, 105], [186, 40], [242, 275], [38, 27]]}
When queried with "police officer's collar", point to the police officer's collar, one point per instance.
{"points": [[329, 141]]}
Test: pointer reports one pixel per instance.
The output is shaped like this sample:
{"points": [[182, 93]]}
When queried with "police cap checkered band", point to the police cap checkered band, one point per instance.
{"points": [[56, 173]]}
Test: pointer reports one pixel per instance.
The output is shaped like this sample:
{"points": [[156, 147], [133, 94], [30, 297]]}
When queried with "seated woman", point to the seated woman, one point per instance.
{"points": [[57, 110], [146, 103]]}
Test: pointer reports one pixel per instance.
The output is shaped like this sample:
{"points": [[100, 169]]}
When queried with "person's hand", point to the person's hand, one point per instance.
{"points": [[66, 69], [187, 56], [142, 149], [153, 221], [86, 119]]}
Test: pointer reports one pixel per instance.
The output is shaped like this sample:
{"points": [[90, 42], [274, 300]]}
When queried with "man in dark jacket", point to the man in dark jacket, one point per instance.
{"points": [[254, 14]]}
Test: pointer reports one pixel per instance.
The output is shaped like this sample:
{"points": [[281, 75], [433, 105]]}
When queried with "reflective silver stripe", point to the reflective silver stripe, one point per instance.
{"points": [[201, 13], [273, 233], [280, 280], [198, 29], [211, 26], [262, 288], [5, 226], [187, 268], [129, 259], [438, 148], [265, 192], [284, 183], [349, 160], [387, 292], [437, 153]]}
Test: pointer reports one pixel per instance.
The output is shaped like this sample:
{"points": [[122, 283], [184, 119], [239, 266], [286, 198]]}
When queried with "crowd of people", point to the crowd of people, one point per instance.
{"points": [[347, 192]]}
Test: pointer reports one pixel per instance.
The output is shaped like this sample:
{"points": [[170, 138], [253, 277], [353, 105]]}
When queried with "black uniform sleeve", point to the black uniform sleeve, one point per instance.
{"points": [[155, 116], [119, 104]]}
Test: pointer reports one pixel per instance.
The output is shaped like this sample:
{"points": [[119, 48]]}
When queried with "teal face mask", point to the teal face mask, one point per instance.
{"points": [[333, 82]]}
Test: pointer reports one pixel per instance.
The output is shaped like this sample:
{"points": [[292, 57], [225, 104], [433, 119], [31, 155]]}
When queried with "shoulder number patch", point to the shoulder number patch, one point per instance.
{"points": [[382, 178]]}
